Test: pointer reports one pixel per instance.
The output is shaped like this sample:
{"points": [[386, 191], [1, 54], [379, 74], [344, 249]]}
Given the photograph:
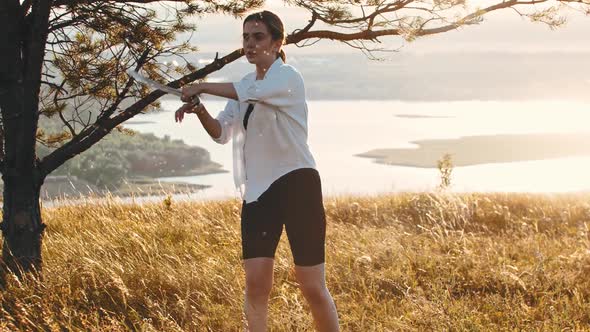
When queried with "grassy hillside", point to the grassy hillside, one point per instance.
{"points": [[405, 262]]}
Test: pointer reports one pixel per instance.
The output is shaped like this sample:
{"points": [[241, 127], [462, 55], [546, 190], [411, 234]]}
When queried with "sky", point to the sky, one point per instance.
{"points": [[506, 57], [501, 32]]}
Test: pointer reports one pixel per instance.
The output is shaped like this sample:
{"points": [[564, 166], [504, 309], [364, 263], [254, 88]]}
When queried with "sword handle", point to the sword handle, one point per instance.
{"points": [[195, 101]]}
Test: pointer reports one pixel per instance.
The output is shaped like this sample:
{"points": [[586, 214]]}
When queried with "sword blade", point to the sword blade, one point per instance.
{"points": [[159, 86]]}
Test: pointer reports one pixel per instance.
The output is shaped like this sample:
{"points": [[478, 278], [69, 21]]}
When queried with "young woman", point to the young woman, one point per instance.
{"points": [[266, 117]]}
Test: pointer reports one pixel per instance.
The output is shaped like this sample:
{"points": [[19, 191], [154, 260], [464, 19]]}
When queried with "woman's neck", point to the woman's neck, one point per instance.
{"points": [[261, 69]]}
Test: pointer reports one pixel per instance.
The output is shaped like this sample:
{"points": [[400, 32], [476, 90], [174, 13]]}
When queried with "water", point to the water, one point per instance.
{"points": [[338, 130]]}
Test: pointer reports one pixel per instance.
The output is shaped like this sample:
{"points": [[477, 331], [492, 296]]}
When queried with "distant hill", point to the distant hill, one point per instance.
{"points": [[435, 76], [72, 187]]}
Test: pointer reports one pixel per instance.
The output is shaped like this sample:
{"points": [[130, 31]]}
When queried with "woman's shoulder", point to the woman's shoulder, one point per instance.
{"points": [[290, 72], [287, 67]]}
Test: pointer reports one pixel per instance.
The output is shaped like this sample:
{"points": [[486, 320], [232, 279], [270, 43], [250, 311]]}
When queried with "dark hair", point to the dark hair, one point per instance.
{"points": [[273, 24]]}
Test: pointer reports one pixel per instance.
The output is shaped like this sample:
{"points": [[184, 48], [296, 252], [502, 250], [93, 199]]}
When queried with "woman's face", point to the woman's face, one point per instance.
{"points": [[258, 45]]}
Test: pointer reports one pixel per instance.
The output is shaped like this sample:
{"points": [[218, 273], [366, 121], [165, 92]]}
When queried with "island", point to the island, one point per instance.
{"points": [[128, 163], [486, 149]]}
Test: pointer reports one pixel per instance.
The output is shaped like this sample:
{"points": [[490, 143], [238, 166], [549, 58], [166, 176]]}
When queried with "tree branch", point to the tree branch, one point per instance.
{"points": [[59, 3], [369, 34], [63, 24], [121, 95], [26, 6], [94, 133]]}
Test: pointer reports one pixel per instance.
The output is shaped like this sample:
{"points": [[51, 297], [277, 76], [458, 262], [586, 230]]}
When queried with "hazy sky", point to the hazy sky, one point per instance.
{"points": [[503, 31]]}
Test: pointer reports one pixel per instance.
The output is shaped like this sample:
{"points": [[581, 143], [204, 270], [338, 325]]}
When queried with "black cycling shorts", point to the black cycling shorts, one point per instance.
{"points": [[293, 200]]}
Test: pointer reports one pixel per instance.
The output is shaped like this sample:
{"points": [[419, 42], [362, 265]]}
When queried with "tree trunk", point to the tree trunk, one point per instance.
{"points": [[22, 49], [22, 226]]}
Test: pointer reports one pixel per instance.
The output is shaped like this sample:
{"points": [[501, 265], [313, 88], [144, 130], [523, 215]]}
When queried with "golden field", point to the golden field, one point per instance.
{"points": [[401, 262]]}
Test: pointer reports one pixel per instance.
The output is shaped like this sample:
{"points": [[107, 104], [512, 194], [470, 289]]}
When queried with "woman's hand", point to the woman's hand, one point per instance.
{"points": [[189, 91], [188, 108]]}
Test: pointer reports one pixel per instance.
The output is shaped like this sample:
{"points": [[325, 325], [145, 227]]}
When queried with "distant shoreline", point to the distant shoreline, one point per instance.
{"points": [[64, 186], [476, 150]]}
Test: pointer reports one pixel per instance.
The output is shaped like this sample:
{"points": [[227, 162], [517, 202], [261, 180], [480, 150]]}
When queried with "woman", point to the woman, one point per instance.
{"points": [[266, 117]]}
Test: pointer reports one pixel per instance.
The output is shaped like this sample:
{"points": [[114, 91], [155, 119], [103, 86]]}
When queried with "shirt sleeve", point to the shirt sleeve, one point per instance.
{"points": [[283, 89], [226, 119]]}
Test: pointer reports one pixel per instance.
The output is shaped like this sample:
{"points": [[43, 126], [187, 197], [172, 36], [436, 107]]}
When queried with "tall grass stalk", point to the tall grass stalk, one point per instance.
{"points": [[403, 262]]}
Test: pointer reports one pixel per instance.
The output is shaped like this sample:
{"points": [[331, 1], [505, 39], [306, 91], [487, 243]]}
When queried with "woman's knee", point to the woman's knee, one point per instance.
{"points": [[312, 281], [258, 276], [314, 291], [259, 286]]}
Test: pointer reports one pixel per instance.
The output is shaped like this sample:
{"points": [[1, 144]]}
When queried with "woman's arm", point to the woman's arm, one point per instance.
{"points": [[211, 125], [283, 88], [225, 90]]}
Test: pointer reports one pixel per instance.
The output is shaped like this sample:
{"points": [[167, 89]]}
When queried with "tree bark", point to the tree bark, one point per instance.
{"points": [[22, 226], [21, 55]]}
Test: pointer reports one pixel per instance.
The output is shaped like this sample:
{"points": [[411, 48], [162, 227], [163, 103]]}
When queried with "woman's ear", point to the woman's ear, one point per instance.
{"points": [[277, 46]]}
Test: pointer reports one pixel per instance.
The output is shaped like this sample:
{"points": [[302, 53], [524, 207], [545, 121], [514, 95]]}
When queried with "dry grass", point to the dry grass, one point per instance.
{"points": [[405, 262]]}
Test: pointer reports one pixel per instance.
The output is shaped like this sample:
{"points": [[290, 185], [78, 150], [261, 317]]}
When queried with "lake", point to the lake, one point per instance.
{"points": [[340, 130]]}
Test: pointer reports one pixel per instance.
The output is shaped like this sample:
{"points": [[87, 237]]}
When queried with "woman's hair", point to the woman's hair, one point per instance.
{"points": [[273, 24]]}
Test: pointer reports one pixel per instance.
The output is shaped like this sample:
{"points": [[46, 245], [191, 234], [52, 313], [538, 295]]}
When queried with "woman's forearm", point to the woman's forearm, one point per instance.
{"points": [[225, 90], [211, 125]]}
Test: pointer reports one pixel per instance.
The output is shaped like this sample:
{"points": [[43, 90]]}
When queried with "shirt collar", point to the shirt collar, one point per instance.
{"points": [[274, 66]]}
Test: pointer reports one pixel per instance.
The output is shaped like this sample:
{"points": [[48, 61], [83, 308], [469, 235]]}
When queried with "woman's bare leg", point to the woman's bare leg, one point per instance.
{"points": [[312, 283], [259, 275]]}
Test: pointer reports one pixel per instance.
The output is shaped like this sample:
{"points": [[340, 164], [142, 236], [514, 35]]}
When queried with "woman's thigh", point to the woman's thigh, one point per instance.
{"points": [[305, 219], [261, 226]]}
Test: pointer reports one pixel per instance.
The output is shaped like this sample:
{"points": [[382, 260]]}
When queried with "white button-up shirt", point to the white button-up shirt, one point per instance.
{"points": [[275, 142]]}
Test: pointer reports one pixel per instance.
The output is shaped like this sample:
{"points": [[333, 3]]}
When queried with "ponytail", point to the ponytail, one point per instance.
{"points": [[282, 55]]}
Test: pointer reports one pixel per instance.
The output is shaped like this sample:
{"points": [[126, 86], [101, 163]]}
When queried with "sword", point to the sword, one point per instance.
{"points": [[159, 86]]}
